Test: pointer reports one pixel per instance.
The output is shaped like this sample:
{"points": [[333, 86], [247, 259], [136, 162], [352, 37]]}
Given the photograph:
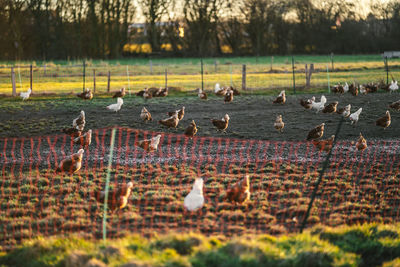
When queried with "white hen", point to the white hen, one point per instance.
{"points": [[217, 88], [25, 95], [355, 116], [346, 88], [393, 86], [79, 122], [116, 107], [347, 110], [319, 105], [195, 199]]}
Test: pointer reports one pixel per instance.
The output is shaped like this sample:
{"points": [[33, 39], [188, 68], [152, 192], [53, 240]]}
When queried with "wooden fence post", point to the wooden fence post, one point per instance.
{"points": [[14, 89], [31, 75], [244, 77], [108, 81], [94, 81], [308, 74]]}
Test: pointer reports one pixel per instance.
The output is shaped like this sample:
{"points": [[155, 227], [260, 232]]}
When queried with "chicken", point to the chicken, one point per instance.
{"points": [[145, 115], [319, 105], [330, 108], [149, 144], [363, 90], [235, 91], [221, 124], [147, 94], [279, 124], [361, 143], [371, 88], [338, 89], [84, 140], [181, 113], [117, 199], [307, 104], [87, 95], [202, 94], [393, 86], [162, 92], [141, 92], [346, 88], [384, 121], [116, 107], [170, 122], [324, 145], [281, 99], [355, 116], [25, 95], [191, 130], [195, 199], [353, 89], [79, 122], [73, 132], [317, 132], [345, 112], [72, 163], [120, 93], [395, 105], [219, 91], [239, 192], [228, 96]]}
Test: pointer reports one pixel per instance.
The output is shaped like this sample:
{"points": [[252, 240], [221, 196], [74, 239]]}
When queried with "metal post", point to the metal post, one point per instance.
{"points": [[31, 76], [151, 66], [272, 62], [387, 70], [215, 66], [166, 78], [327, 74], [129, 82], [84, 75], [202, 79], [230, 71], [333, 68], [94, 81], [294, 78], [14, 89], [244, 77], [108, 81]]}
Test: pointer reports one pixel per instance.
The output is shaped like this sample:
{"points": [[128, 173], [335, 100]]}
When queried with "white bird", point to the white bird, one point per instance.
{"points": [[363, 90], [79, 122], [25, 95], [195, 199], [346, 88], [217, 88], [319, 105], [354, 116], [347, 110], [117, 106], [393, 86]]}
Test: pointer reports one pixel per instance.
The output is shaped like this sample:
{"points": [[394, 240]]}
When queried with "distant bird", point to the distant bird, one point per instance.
{"points": [[338, 89], [117, 198], [145, 115], [384, 121], [147, 94], [87, 95], [25, 95], [319, 105], [202, 94], [393, 86], [353, 89], [281, 99], [235, 91], [79, 122], [170, 122], [116, 107], [345, 112], [149, 144], [330, 108], [195, 199], [162, 92], [355, 116], [191, 130], [219, 91], [307, 104], [317, 132], [324, 145], [395, 105], [180, 112], [279, 124], [85, 139], [371, 88], [221, 124], [346, 88], [72, 163], [361, 143], [73, 132], [363, 90], [121, 93], [141, 92], [239, 192], [228, 96]]}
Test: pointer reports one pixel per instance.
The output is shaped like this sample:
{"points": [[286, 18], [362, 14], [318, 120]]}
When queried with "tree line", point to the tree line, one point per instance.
{"points": [[73, 29]]}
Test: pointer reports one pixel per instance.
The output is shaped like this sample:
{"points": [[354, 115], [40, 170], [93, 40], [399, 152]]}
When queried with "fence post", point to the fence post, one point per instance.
{"points": [[94, 81], [129, 81], [244, 77], [14, 89], [166, 78], [387, 70], [108, 81], [31, 76], [230, 71], [202, 80], [327, 74], [151, 66], [215, 66], [84, 75], [272, 62], [44, 70], [294, 78], [333, 68]]}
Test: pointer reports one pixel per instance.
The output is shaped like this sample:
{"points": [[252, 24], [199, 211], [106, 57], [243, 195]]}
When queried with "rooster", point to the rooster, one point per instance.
{"points": [[120, 93], [317, 132], [117, 199], [384, 121], [84, 140], [149, 144], [180, 112], [395, 105], [221, 124], [73, 132], [361, 143], [330, 108], [116, 107], [319, 105], [87, 95], [307, 104], [281, 99], [324, 145], [25, 95], [145, 115], [345, 112], [202, 94], [72, 163], [191, 130], [228, 96], [239, 192], [219, 91], [79, 122], [355, 116], [195, 199], [279, 124], [170, 122], [393, 86]]}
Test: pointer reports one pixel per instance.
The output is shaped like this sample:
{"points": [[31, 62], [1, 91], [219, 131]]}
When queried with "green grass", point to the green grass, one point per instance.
{"points": [[362, 245]]}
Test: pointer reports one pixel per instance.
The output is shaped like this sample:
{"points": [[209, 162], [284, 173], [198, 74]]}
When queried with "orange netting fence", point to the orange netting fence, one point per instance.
{"points": [[34, 200]]}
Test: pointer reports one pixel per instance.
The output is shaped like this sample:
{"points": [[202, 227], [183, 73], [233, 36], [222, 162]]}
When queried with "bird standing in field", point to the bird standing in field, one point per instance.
{"points": [[191, 130], [195, 199], [79, 122], [221, 124], [239, 192], [279, 124], [393, 86], [149, 144], [170, 122], [117, 199], [201, 94], [307, 104], [120, 93], [228, 96], [25, 95], [116, 107], [395, 105], [324, 145], [330, 108], [345, 112], [355, 116], [319, 105], [281, 99], [72, 163], [147, 94], [84, 140], [361, 144], [384, 121], [73, 132], [219, 91], [162, 92], [145, 115], [180, 112], [87, 95], [317, 132]]}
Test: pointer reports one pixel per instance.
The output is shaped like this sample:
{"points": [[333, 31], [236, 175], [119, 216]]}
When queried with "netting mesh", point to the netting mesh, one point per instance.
{"points": [[357, 187]]}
